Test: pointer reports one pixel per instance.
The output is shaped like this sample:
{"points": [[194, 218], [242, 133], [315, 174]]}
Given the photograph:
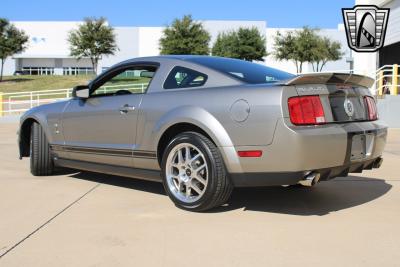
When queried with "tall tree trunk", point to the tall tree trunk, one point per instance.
{"points": [[297, 66], [95, 62], [322, 65], [301, 67], [1, 72]]}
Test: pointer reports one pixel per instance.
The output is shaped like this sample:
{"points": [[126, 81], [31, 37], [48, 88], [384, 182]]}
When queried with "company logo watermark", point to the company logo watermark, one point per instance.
{"points": [[365, 27]]}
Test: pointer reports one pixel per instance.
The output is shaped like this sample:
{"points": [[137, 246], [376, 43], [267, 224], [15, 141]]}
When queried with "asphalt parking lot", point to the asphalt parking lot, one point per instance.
{"points": [[88, 219]]}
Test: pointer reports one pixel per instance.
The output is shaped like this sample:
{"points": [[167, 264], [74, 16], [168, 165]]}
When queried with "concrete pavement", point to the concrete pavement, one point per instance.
{"points": [[88, 219]]}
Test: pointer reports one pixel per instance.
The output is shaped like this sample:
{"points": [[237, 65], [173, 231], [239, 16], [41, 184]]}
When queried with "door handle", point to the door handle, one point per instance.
{"points": [[126, 108]]}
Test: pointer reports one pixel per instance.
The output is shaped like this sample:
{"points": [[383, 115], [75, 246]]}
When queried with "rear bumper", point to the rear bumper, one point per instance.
{"points": [[291, 178], [294, 151]]}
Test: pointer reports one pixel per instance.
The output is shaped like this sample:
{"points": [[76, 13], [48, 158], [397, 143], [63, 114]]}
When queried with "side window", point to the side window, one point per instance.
{"points": [[181, 77], [129, 81]]}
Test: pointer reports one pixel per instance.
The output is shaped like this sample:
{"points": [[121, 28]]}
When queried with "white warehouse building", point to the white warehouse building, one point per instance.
{"points": [[48, 50]]}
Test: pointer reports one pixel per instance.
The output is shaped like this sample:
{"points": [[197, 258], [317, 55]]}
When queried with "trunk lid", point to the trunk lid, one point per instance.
{"points": [[342, 95], [331, 78]]}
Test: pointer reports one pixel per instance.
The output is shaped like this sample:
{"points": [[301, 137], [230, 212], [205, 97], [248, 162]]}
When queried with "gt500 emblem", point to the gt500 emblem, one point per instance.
{"points": [[310, 89], [349, 107]]}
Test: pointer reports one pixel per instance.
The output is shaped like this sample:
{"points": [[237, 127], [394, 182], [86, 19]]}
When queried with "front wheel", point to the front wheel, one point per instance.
{"points": [[41, 160], [194, 174]]}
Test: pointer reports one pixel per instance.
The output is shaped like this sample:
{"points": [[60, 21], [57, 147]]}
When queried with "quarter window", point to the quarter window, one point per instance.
{"points": [[181, 77]]}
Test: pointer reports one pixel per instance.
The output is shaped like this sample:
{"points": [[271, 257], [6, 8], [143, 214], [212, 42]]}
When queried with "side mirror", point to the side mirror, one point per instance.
{"points": [[81, 91]]}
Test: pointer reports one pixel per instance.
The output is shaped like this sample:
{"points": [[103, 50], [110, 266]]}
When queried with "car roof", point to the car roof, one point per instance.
{"points": [[174, 60], [176, 57]]}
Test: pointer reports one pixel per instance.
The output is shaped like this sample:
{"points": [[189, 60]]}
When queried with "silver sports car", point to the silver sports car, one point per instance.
{"points": [[204, 125]]}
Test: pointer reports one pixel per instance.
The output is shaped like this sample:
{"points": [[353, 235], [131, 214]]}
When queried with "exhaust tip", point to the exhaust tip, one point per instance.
{"points": [[310, 179]]}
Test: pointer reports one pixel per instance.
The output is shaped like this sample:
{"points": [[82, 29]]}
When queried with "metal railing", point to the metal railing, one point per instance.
{"points": [[18, 102], [387, 80]]}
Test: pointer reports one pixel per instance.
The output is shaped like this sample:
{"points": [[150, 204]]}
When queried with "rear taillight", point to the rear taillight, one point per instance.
{"points": [[306, 110], [371, 108]]}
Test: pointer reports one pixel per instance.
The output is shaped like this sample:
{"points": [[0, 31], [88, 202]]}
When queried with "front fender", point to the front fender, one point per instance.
{"points": [[45, 115], [24, 131], [39, 116]]}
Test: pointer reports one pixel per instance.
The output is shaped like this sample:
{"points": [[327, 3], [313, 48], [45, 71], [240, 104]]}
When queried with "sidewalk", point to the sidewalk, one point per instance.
{"points": [[10, 119]]}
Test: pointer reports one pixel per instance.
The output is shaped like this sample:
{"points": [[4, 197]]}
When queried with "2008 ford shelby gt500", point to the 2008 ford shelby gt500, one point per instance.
{"points": [[203, 125]]}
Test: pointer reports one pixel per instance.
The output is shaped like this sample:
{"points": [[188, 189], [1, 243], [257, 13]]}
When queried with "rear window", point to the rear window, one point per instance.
{"points": [[243, 70]]}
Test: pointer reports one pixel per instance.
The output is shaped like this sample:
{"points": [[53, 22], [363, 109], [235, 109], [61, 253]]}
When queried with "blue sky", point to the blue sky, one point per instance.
{"points": [[277, 13]]}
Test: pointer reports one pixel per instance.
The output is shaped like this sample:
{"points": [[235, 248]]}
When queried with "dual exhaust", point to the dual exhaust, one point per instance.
{"points": [[310, 179]]}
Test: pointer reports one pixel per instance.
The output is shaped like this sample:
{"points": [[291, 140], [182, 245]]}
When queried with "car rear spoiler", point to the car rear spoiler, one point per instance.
{"points": [[335, 78]]}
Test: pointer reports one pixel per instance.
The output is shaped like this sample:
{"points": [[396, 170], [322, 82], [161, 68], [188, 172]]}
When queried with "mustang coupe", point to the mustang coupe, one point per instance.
{"points": [[203, 125]]}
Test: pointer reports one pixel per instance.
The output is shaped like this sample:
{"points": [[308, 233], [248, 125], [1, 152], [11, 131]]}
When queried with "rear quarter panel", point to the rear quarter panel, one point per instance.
{"points": [[210, 109]]}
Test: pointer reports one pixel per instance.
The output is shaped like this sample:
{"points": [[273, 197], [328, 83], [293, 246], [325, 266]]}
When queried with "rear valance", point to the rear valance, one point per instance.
{"points": [[332, 78]]}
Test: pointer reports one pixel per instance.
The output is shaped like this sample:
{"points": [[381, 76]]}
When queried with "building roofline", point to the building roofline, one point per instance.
{"points": [[43, 56]]}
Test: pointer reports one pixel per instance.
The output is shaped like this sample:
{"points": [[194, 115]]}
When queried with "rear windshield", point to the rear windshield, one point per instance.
{"points": [[243, 70]]}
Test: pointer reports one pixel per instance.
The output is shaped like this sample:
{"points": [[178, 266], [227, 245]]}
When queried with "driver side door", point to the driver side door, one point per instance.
{"points": [[102, 128]]}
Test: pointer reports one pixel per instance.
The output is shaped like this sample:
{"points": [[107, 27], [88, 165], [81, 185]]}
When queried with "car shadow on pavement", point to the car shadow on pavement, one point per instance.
{"points": [[135, 184], [322, 199]]}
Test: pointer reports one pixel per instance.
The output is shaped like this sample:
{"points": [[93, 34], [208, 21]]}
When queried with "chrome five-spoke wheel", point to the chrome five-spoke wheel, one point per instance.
{"points": [[187, 172]]}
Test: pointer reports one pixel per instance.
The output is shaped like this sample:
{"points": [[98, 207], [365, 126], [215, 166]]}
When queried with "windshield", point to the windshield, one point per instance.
{"points": [[243, 70]]}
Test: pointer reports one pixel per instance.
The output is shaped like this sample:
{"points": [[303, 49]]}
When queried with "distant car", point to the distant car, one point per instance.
{"points": [[203, 125], [20, 72]]}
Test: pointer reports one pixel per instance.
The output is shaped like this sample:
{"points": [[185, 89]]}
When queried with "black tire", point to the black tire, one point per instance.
{"points": [[219, 186], [41, 160]]}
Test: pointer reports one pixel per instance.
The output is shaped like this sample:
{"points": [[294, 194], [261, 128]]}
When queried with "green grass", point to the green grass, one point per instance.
{"points": [[13, 84], [23, 83]]}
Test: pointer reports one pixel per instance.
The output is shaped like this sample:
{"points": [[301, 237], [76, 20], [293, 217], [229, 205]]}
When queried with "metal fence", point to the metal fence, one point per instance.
{"points": [[18, 102], [387, 80]]}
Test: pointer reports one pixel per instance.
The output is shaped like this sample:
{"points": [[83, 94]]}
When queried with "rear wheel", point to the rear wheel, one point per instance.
{"points": [[41, 160], [194, 175]]}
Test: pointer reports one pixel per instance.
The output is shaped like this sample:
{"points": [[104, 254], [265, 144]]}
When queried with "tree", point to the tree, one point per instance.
{"points": [[93, 39], [285, 48], [226, 45], [12, 41], [247, 44], [306, 46], [326, 50], [185, 37], [298, 46], [306, 42]]}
